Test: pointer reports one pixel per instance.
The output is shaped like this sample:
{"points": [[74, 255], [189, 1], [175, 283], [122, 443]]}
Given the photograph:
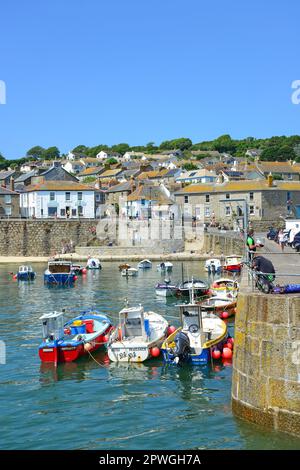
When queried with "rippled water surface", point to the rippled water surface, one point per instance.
{"points": [[84, 405]]}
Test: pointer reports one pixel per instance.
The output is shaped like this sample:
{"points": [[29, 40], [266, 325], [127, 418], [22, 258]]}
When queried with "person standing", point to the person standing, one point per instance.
{"points": [[281, 239], [251, 244]]}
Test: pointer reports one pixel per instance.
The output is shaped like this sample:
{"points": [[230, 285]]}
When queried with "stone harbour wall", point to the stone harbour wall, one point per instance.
{"points": [[218, 243], [266, 365], [43, 238]]}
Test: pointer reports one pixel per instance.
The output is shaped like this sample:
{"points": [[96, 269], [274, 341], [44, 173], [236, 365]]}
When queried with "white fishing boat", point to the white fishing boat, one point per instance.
{"points": [[219, 305], [225, 288], [129, 272], [138, 337], [165, 266], [93, 263], [145, 264], [165, 289], [213, 266]]}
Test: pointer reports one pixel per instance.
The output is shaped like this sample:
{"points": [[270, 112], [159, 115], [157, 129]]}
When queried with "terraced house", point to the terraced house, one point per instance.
{"points": [[9, 203], [267, 200]]}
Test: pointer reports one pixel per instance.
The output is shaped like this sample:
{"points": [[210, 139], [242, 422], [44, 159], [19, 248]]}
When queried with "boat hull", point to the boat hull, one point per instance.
{"points": [[62, 279], [235, 268], [123, 351], [26, 276]]}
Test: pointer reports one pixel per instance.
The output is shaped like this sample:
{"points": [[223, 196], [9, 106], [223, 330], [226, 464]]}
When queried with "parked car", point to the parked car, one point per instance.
{"points": [[272, 233]]}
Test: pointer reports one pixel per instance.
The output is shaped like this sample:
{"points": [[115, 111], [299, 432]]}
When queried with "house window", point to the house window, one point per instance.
{"points": [[68, 196], [251, 196], [79, 196], [80, 210], [62, 212], [251, 210], [207, 211], [98, 197], [74, 212], [52, 196], [143, 202], [8, 211], [52, 211], [227, 196], [207, 198], [227, 210], [186, 199], [289, 176], [7, 199]]}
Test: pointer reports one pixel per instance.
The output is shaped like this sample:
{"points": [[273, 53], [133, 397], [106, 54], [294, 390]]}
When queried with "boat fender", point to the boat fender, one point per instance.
{"points": [[67, 331], [87, 346], [227, 353], [155, 352], [171, 330], [224, 315], [216, 354], [120, 336]]}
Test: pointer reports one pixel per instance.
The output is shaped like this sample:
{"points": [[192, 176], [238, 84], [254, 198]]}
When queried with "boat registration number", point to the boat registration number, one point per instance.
{"points": [[48, 350]]}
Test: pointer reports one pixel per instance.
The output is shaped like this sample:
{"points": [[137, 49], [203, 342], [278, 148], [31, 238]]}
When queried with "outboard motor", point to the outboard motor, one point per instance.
{"points": [[182, 348]]}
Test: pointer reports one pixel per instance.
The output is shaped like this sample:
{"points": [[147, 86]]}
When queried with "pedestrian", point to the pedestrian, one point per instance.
{"points": [[281, 239], [264, 266], [251, 245]]}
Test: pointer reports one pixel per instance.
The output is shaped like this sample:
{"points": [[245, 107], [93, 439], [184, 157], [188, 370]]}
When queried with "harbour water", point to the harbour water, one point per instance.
{"points": [[97, 405]]}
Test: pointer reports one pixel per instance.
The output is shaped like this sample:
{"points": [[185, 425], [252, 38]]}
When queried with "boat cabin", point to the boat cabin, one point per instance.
{"points": [[133, 323], [25, 269], [192, 321], [59, 267], [53, 325]]}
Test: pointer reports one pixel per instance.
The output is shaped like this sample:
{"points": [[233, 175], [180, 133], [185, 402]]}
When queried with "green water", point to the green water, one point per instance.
{"points": [[85, 405]]}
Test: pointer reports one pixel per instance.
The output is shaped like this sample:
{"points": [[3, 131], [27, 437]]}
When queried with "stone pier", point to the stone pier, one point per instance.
{"points": [[266, 366]]}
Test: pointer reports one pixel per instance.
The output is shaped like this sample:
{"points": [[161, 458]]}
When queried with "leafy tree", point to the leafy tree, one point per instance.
{"points": [[51, 153], [111, 161], [1, 157], [36, 152], [121, 148], [224, 143], [176, 144], [89, 179], [80, 149], [189, 166]]}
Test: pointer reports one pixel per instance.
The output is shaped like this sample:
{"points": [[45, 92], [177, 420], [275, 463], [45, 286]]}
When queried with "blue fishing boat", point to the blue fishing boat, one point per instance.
{"points": [[25, 273], [59, 273], [199, 334]]}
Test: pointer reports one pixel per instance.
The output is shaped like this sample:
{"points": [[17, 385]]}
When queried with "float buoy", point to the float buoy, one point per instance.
{"points": [[120, 337], [224, 315], [216, 354], [227, 353], [84, 270], [155, 352], [171, 330], [75, 278], [228, 345], [88, 347], [230, 341]]}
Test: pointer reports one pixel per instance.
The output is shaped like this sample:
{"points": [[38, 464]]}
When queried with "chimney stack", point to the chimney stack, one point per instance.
{"points": [[270, 180], [12, 184]]}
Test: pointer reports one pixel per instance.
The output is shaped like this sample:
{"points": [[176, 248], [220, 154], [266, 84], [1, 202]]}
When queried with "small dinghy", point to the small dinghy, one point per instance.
{"points": [[145, 264], [78, 270], [194, 341], [66, 342], [165, 289], [164, 267], [225, 287], [124, 266], [221, 306], [25, 273], [93, 263], [213, 266], [130, 272], [59, 273], [200, 288], [233, 264], [138, 337]]}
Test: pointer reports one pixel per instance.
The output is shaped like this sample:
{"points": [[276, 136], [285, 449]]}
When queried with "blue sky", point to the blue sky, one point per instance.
{"points": [[99, 71]]}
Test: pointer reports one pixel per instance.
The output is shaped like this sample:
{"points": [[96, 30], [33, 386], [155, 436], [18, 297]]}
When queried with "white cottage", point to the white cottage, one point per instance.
{"points": [[58, 199]]}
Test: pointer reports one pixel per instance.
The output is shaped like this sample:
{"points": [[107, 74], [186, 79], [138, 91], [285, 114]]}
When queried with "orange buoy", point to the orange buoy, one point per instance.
{"points": [[171, 330], [216, 354], [155, 352], [224, 315], [227, 353]]}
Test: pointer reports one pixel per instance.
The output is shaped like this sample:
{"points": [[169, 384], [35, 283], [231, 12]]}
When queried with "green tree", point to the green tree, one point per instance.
{"points": [[224, 143], [111, 161], [51, 153], [1, 157], [80, 149], [36, 152], [121, 148], [176, 144], [189, 166]]}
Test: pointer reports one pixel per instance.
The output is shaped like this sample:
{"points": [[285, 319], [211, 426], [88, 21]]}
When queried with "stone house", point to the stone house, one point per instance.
{"points": [[150, 201], [267, 200], [9, 203]]}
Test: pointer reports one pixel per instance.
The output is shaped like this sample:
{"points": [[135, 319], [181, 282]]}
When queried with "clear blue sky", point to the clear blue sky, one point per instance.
{"points": [[110, 71]]}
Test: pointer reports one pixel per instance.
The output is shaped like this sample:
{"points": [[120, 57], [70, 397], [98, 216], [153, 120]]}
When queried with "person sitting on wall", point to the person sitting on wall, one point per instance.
{"points": [[264, 266]]}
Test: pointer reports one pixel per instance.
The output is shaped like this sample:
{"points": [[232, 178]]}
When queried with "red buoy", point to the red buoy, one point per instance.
{"points": [[155, 352], [216, 354], [230, 341], [84, 270], [228, 345], [75, 278], [224, 315], [15, 277], [227, 353], [171, 330]]}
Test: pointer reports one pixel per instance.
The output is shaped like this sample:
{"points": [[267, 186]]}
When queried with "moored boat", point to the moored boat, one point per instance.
{"points": [[78, 270], [25, 273], [200, 332], [130, 272], [165, 289], [225, 287], [213, 266], [138, 337], [93, 263], [145, 264], [66, 342], [200, 288], [220, 305], [165, 266], [233, 263], [59, 273]]}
